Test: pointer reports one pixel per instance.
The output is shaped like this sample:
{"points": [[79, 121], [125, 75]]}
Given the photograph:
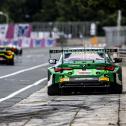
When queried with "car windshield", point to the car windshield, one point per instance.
{"points": [[85, 56]]}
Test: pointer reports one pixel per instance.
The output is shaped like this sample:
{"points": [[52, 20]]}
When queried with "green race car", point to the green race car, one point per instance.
{"points": [[84, 70]]}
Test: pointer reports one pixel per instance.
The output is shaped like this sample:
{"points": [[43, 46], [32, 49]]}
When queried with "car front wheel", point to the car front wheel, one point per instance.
{"points": [[117, 89], [11, 62]]}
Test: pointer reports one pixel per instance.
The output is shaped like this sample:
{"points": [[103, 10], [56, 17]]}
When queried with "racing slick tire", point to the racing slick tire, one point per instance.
{"points": [[53, 90], [20, 52], [11, 62], [116, 89]]}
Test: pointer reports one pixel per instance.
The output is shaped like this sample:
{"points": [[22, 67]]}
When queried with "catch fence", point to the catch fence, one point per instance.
{"points": [[44, 34], [67, 29], [115, 36]]}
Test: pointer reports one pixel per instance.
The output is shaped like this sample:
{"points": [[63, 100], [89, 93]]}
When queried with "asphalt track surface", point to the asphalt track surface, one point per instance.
{"points": [[24, 101], [28, 68]]}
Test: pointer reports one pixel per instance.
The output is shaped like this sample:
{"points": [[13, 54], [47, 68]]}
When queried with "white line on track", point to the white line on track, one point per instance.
{"points": [[24, 70], [23, 89]]}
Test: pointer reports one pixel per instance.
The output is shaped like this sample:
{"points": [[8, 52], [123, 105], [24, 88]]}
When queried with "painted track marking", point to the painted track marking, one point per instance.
{"points": [[24, 70], [25, 88], [22, 90]]}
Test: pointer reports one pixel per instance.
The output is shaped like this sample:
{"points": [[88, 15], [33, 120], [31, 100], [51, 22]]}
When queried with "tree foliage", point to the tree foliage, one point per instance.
{"points": [[103, 11]]}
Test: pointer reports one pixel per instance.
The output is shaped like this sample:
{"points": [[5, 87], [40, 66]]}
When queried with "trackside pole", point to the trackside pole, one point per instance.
{"points": [[119, 25], [62, 49]]}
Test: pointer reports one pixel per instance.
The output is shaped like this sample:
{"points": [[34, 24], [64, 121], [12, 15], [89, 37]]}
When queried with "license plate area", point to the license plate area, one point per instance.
{"points": [[84, 79], [84, 72]]}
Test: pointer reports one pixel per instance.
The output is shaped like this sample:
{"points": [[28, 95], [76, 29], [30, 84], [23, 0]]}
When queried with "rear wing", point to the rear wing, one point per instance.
{"points": [[3, 49], [113, 52], [82, 50]]}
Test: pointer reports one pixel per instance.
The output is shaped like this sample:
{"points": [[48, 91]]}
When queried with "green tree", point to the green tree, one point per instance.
{"points": [[64, 10], [47, 12]]}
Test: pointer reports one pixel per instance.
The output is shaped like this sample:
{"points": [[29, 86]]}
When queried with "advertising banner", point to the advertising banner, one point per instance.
{"points": [[22, 35], [22, 30], [3, 30]]}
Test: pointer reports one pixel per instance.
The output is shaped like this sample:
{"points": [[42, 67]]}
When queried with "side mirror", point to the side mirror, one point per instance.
{"points": [[117, 60], [52, 61]]}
